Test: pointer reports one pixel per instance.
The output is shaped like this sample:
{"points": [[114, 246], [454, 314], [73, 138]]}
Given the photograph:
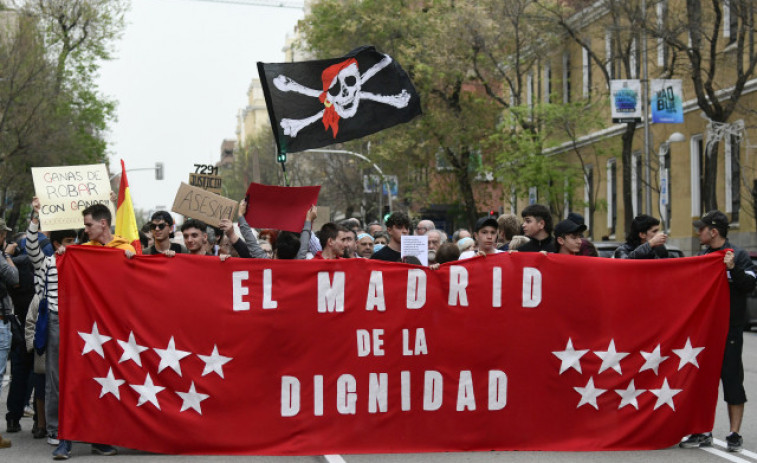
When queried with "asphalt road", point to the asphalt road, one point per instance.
{"points": [[27, 449]]}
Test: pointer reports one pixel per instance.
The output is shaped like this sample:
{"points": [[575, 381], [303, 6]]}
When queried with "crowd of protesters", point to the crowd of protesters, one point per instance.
{"points": [[29, 280]]}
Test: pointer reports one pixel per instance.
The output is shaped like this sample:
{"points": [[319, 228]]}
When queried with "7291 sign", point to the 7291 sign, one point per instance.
{"points": [[207, 169]]}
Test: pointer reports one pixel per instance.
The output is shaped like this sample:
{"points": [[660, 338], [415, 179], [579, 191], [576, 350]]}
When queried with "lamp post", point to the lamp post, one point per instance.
{"points": [[675, 137], [378, 169]]}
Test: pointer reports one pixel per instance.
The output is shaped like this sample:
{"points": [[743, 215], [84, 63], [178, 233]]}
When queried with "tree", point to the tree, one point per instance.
{"points": [[719, 56], [456, 118], [624, 21], [50, 110]]}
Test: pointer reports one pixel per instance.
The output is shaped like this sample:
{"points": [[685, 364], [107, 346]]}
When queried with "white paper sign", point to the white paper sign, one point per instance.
{"points": [[65, 191], [416, 246]]}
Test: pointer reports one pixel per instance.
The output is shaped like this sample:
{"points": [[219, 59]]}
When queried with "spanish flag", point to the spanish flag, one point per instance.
{"points": [[126, 223]]}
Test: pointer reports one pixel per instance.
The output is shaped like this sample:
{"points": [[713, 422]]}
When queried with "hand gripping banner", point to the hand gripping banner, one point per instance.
{"points": [[514, 351]]}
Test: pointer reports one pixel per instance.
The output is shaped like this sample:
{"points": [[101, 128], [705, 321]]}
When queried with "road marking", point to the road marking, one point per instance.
{"points": [[743, 452], [334, 459], [727, 455]]}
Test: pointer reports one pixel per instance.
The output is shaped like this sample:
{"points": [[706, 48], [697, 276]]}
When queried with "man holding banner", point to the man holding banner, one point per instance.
{"points": [[713, 232]]}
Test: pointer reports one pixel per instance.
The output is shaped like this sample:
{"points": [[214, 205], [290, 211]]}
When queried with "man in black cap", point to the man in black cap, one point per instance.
{"points": [[742, 275], [485, 234], [568, 237]]}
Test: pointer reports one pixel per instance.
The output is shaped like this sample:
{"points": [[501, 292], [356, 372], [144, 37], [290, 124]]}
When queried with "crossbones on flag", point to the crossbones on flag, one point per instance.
{"points": [[318, 103]]}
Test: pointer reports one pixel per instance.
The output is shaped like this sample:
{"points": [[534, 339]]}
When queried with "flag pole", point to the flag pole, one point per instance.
{"points": [[281, 157]]}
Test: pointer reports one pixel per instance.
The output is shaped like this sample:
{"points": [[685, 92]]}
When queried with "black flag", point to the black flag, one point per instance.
{"points": [[319, 103]]}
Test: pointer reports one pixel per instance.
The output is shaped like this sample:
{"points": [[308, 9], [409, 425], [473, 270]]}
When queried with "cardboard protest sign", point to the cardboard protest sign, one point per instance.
{"points": [[203, 205], [65, 191], [279, 207], [210, 183]]}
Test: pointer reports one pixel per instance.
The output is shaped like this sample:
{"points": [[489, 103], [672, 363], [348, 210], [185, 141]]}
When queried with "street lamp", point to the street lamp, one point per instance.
{"points": [[380, 172], [664, 159]]}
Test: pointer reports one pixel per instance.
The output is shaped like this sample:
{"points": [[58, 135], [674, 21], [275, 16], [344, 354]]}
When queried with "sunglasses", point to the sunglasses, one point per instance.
{"points": [[159, 226]]}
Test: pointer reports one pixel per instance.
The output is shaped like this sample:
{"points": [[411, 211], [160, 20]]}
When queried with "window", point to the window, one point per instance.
{"points": [[566, 77], [612, 63], [633, 59], [665, 196], [530, 91], [586, 69], [733, 176], [730, 21], [547, 81], [533, 196], [513, 201], [697, 159], [636, 189], [588, 188], [662, 50], [612, 196]]}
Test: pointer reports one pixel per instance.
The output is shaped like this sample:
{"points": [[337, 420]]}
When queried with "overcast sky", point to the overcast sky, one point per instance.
{"points": [[181, 74]]}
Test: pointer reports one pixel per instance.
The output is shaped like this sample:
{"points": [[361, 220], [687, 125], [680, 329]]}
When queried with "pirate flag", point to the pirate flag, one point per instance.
{"points": [[319, 103]]}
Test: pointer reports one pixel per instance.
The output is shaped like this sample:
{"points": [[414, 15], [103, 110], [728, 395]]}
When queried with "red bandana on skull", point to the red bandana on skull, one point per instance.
{"points": [[330, 117]]}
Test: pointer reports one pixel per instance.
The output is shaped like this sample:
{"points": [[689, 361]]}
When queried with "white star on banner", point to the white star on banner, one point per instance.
{"points": [[170, 357], [628, 396], [688, 354], [192, 399], [110, 384], [94, 341], [611, 358], [653, 359], [570, 357], [214, 362], [148, 392], [665, 395], [589, 394], [131, 350]]}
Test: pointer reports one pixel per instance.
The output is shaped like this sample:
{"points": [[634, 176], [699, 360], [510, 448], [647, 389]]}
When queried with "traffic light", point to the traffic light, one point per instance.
{"points": [[158, 171], [281, 157]]}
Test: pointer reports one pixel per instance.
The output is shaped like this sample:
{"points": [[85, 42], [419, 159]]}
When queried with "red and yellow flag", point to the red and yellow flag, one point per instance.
{"points": [[126, 222]]}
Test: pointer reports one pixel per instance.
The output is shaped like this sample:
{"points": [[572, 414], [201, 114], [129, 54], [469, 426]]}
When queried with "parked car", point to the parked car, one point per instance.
{"points": [[751, 301], [607, 249]]}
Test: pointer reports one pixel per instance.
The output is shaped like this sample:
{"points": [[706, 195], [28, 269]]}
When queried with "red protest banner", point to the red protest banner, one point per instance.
{"points": [[513, 351], [279, 207]]}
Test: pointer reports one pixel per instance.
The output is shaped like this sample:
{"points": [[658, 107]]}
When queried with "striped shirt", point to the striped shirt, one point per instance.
{"points": [[43, 266]]}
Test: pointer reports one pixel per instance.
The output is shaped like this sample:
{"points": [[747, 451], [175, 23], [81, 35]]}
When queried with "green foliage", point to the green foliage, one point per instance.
{"points": [[52, 112]]}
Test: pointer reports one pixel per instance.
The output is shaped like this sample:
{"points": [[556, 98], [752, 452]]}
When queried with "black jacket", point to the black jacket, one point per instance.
{"points": [[742, 281]]}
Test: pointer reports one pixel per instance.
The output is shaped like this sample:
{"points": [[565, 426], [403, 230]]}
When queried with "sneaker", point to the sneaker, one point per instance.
{"points": [[13, 426], [28, 411], [52, 439], [735, 442], [696, 441], [104, 450], [63, 451]]}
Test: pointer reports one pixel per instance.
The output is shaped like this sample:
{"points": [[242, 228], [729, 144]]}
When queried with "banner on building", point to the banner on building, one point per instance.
{"points": [[514, 351], [667, 101], [625, 100], [65, 191]]}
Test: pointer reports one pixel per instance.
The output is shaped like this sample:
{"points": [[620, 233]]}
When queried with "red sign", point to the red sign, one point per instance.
{"points": [[514, 351], [279, 207]]}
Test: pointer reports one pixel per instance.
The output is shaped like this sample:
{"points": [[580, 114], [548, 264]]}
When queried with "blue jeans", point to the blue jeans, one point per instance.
{"points": [[5, 348]]}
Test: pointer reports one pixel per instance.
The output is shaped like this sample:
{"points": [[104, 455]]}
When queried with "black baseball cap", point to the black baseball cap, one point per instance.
{"points": [[713, 219], [567, 227], [487, 221]]}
